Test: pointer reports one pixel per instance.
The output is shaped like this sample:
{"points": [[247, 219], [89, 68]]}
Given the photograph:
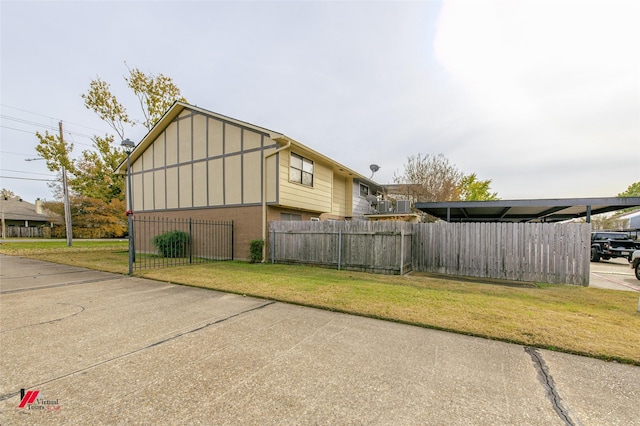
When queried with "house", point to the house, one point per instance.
{"points": [[199, 164], [23, 219], [630, 220]]}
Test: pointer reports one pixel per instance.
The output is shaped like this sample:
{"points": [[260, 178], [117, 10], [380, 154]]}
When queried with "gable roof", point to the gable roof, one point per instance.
{"points": [[18, 209], [545, 210], [178, 107]]}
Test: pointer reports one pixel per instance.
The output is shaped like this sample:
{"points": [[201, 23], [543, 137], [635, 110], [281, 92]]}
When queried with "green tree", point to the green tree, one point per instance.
{"points": [[92, 173], [632, 191], [473, 189], [155, 93]]}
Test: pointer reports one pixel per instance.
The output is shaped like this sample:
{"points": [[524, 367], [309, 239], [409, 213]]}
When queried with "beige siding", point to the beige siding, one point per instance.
{"points": [[252, 177], [136, 184], [216, 181], [171, 141], [147, 196], [231, 139], [147, 159], [186, 187], [251, 140], [158, 151], [339, 206], [172, 188], [215, 137], [199, 137], [159, 190], [200, 184], [184, 141], [316, 198], [233, 180], [271, 180]]}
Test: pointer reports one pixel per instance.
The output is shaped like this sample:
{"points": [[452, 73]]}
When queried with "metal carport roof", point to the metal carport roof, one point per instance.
{"points": [[545, 210]]}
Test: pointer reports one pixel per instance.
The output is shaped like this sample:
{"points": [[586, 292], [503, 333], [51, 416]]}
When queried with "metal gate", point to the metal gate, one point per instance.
{"points": [[161, 242]]}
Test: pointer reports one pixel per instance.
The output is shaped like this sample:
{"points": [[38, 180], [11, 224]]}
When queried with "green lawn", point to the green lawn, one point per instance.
{"points": [[588, 321]]}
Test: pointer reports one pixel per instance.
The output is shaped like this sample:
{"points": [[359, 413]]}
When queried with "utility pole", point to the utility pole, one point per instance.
{"points": [[67, 206]]}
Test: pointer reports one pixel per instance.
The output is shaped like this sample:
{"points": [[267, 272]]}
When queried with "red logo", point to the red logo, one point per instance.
{"points": [[28, 398]]}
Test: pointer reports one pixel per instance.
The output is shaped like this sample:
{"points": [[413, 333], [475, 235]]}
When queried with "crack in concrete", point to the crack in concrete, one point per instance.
{"points": [[42, 287], [550, 387]]}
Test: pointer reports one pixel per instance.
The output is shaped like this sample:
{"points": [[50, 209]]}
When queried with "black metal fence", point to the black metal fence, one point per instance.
{"points": [[162, 242]]}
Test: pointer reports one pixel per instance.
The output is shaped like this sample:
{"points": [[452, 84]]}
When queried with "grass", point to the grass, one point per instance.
{"points": [[587, 321]]}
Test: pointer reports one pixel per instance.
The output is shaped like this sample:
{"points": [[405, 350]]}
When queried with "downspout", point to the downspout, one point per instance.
{"points": [[264, 195]]}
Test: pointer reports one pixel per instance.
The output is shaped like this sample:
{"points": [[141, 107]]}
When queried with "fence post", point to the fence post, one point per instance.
{"points": [[232, 240], [273, 246], [339, 247], [402, 252], [190, 241]]}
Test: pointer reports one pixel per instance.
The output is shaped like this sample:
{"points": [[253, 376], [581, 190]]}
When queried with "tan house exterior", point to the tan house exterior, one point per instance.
{"points": [[198, 164]]}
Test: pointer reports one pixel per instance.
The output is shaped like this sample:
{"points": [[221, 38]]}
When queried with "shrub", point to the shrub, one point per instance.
{"points": [[172, 244], [255, 250]]}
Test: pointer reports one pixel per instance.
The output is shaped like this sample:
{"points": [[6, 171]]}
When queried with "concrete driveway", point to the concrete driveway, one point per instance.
{"points": [[614, 274], [95, 348]]}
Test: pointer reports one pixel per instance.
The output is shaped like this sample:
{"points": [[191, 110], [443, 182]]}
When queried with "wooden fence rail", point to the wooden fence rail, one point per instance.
{"points": [[540, 252]]}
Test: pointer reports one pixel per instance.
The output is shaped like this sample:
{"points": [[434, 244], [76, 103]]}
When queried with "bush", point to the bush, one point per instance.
{"points": [[255, 250], [172, 244]]}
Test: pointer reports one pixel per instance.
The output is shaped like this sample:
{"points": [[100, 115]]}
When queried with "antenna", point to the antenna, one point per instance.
{"points": [[374, 168]]}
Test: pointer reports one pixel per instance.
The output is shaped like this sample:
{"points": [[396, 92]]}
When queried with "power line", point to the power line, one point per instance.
{"points": [[15, 153], [52, 118], [29, 173], [23, 178], [46, 126], [30, 132]]}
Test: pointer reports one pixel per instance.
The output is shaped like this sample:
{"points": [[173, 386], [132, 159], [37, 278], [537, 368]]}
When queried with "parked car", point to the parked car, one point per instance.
{"points": [[635, 263], [606, 245]]}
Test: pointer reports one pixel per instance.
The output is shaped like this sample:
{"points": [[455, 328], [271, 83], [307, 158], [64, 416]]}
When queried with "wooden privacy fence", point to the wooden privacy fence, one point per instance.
{"points": [[378, 247], [540, 252]]}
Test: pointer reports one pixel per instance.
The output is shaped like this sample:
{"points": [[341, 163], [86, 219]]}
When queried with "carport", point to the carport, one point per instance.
{"points": [[517, 211]]}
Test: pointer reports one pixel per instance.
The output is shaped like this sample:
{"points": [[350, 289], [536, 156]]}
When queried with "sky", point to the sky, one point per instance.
{"points": [[540, 97]]}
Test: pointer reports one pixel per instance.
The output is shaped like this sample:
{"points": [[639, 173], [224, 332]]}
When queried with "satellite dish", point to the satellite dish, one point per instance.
{"points": [[372, 199], [374, 168]]}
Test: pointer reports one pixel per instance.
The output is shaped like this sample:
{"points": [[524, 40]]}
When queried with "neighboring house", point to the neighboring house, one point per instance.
{"points": [[23, 219], [630, 220], [198, 164]]}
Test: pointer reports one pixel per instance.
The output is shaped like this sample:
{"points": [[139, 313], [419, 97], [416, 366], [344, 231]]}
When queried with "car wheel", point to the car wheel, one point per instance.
{"points": [[595, 256], [637, 269]]}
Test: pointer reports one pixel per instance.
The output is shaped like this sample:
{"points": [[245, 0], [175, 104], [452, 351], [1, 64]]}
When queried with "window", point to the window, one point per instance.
{"points": [[364, 190], [290, 216], [301, 170]]}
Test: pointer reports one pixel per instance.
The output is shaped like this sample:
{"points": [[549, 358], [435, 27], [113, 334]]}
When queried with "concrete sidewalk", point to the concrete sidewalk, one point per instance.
{"points": [[109, 349]]}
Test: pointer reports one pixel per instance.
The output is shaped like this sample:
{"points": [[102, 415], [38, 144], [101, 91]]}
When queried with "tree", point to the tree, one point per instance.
{"points": [[433, 178], [472, 189], [632, 191], [91, 177], [430, 178], [92, 174], [7, 194]]}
